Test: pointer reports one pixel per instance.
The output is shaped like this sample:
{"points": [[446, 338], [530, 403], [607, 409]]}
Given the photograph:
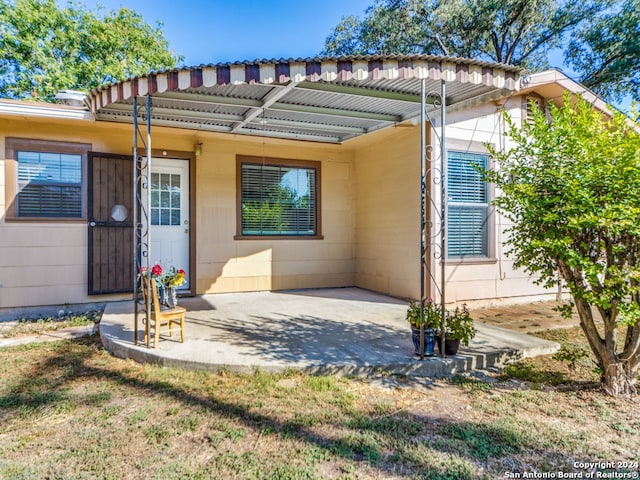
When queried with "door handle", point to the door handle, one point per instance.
{"points": [[186, 231]]}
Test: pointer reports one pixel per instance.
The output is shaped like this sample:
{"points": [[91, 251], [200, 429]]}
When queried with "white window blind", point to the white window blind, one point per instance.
{"points": [[49, 185], [279, 200], [468, 206]]}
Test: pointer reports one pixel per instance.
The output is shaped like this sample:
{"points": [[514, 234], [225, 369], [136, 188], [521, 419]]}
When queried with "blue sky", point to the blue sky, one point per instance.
{"points": [[218, 31], [214, 31]]}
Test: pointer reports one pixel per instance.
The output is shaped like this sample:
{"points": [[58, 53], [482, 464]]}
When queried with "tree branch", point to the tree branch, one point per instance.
{"points": [[514, 44], [496, 47], [632, 344], [584, 312]]}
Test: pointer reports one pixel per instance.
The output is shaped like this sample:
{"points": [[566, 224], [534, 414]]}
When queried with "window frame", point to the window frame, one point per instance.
{"points": [[489, 256], [278, 162], [14, 145], [159, 207]]}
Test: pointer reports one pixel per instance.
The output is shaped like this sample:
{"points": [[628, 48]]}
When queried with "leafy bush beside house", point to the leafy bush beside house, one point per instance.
{"points": [[571, 188]]}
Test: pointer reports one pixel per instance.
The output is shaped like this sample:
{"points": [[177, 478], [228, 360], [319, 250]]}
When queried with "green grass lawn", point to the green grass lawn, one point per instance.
{"points": [[69, 410]]}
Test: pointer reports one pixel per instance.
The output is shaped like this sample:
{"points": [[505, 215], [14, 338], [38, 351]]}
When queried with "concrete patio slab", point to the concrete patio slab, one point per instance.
{"points": [[346, 331]]}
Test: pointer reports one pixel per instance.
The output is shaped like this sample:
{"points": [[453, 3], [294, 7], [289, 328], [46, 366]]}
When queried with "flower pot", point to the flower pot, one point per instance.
{"points": [[451, 345], [174, 297], [429, 341], [168, 296]]}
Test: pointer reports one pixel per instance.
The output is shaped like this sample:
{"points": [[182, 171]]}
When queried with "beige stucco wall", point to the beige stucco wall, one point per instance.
{"points": [[2, 202], [225, 264], [387, 171], [494, 281], [45, 263]]}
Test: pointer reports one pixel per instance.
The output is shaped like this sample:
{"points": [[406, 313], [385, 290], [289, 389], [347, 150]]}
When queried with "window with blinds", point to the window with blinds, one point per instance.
{"points": [[279, 199], [468, 206], [49, 185]]}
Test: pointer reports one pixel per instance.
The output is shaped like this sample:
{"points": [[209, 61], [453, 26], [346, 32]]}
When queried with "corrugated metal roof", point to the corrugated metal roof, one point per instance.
{"points": [[328, 99]]}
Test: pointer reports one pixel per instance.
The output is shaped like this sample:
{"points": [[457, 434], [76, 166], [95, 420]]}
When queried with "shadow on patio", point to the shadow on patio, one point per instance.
{"points": [[345, 331]]}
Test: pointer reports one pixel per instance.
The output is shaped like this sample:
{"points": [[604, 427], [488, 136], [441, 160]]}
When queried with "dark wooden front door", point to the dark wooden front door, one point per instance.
{"points": [[110, 212]]}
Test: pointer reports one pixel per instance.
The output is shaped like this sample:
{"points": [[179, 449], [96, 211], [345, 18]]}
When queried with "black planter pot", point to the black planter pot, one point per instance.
{"points": [[451, 345], [429, 341]]}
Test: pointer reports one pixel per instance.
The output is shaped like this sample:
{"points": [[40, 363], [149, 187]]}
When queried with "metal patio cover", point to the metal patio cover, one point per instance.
{"points": [[329, 99]]}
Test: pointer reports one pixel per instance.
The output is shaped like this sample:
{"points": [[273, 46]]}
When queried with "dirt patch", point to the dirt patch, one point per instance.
{"points": [[34, 325]]}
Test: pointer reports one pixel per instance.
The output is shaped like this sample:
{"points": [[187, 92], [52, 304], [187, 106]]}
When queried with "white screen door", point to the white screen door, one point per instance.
{"points": [[170, 214]]}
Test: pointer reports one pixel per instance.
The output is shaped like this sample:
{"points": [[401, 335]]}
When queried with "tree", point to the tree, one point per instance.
{"points": [[45, 49], [518, 32], [606, 52], [571, 188]]}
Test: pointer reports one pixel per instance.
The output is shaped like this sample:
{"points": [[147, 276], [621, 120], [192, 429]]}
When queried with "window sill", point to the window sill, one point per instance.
{"points": [[45, 220], [471, 261], [278, 237]]}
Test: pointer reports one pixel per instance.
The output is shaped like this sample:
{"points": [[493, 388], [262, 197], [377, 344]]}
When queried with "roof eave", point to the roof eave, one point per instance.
{"points": [[46, 110]]}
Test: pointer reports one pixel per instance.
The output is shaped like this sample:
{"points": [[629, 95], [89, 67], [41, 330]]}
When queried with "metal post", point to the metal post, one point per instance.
{"points": [[444, 212], [135, 221], [141, 216], [148, 229], [423, 157]]}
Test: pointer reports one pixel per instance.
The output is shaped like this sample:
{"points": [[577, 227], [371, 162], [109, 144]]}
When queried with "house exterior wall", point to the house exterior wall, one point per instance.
{"points": [[46, 263], [495, 280], [228, 265], [387, 171], [370, 217]]}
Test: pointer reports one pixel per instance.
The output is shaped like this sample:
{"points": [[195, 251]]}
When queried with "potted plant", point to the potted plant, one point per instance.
{"points": [[430, 319], [458, 329]]}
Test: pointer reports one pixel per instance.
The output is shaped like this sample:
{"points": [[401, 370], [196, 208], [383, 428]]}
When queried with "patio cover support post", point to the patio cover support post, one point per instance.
{"points": [[147, 231], [444, 212], [141, 216], [135, 221], [442, 230], [423, 186]]}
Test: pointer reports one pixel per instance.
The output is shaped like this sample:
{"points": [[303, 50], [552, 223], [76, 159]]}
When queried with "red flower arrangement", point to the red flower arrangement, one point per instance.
{"points": [[171, 278]]}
